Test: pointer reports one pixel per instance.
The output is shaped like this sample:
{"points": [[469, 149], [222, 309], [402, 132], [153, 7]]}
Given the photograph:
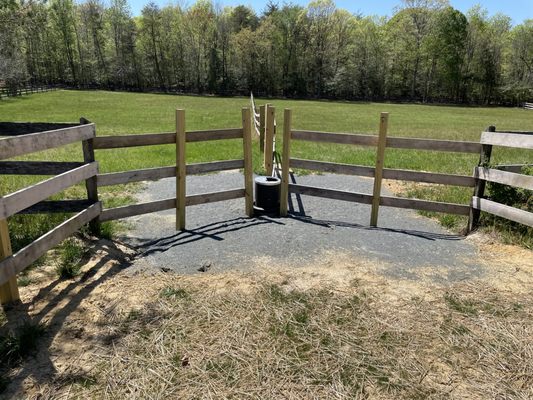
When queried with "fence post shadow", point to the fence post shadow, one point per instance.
{"points": [[54, 313]]}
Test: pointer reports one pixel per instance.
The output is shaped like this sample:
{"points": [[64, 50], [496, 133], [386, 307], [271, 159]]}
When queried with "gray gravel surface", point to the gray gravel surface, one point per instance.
{"points": [[219, 236]]}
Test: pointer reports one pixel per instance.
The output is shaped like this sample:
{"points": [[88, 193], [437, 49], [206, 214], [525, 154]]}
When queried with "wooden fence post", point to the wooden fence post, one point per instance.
{"points": [[285, 161], [262, 111], [248, 167], [9, 291], [269, 139], [181, 166], [91, 184], [479, 189], [378, 174]]}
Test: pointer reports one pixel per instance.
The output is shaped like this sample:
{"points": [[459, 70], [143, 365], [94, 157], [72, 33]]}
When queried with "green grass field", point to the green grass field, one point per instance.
{"points": [[129, 113]]}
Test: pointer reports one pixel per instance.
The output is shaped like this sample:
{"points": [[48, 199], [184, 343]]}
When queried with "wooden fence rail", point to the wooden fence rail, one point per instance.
{"points": [[32, 199], [180, 170], [33, 142], [483, 173], [19, 261], [378, 172], [25, 90]]}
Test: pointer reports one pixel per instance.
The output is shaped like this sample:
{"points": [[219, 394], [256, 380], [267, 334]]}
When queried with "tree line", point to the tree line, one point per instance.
{"points": [[427, 51]]}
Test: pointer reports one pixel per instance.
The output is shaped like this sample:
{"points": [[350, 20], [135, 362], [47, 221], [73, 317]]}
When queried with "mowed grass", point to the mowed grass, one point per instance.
{"points": [[130, 113]]}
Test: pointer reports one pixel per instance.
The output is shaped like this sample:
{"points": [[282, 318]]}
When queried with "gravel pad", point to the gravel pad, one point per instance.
{"points": [[219, 236]]}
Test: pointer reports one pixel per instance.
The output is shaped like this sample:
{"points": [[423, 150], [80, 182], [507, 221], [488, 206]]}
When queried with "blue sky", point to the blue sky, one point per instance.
{"points": [[518, 10]]}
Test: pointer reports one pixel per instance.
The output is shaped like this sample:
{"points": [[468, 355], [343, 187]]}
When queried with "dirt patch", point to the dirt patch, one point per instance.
{"points": [[335, 328]]}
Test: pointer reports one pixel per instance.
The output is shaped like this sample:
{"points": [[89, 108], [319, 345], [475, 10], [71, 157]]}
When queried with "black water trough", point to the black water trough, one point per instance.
{"points": [[267, 190]]}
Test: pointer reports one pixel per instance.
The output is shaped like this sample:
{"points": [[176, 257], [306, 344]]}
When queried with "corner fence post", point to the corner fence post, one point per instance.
{"points": [[285, 161], [181, 166], [262, 111], [91, 184], [378, 174], [479, 189], [269, 139], [248, 167], [9, 291]]}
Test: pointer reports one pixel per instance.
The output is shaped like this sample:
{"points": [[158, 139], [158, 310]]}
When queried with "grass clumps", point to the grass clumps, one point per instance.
{"points": [[21, 343], [71, 253], [174, 293]]}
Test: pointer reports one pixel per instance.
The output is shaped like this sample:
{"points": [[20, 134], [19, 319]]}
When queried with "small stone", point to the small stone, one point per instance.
{"points": [[205, 267]]}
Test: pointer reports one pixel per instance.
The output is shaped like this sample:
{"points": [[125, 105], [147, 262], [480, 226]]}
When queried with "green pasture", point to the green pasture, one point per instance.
{"points": [[129, 113]]}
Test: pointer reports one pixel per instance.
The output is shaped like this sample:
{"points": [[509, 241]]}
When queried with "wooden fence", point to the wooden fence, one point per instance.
{"points": [[483, 173], [378, 172], [528, 106], [264, 123], [32, 199], [25, 90], [179, 138]]}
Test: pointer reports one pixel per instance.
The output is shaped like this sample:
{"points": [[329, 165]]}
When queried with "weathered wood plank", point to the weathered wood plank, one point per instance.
{"points": [[36, 167], [517, 140], [213, 197], [396, 174], [337, 168], [144, 139], [181, 169], [153, 174], [91, 184], [424, 205], [479, 190], [504, 177], [378, 172], [215, 166], [138, 175], [57, 206], [248, 167], [268, 161], [24, 198], [262, 127], [214, 134], [33, 142], [429, 177], [285, 163], [137, 209], [331, 193], [340, 138], [27, 255], [9, 291], [502, 210], [433, 144]]}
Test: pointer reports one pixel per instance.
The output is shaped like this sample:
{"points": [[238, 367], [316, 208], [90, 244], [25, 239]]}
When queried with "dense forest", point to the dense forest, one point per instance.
{"points": [[427, 51]]}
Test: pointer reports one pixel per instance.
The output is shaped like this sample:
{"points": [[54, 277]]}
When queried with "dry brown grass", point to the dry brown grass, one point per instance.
{"points": [[337, 329], [276, 343]]}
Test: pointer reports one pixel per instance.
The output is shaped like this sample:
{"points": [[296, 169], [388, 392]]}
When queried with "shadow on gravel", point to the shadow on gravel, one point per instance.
{"points": [[209, 231], [328, 224]]}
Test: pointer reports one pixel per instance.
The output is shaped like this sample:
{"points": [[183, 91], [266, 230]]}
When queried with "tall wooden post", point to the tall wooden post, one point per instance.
{"points": [[91, 184], [479, 189], [269, 139], [181, 166], [9, 291], [248, 167], [380, 159], [285, 161], [262, 118]]}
